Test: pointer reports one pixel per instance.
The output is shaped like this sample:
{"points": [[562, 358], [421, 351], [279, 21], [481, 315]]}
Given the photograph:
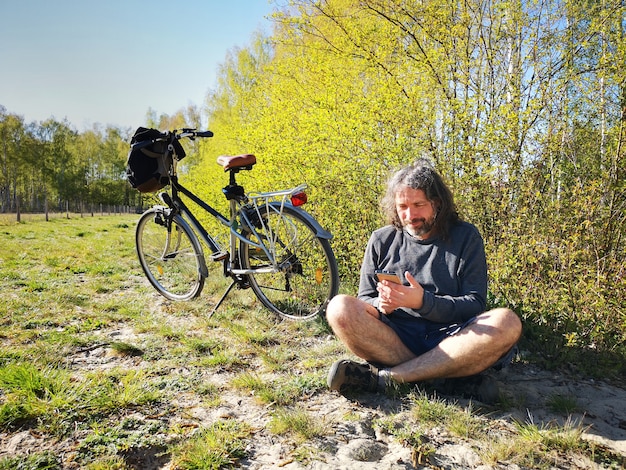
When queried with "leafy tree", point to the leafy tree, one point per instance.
{"points": [[12, 136], [519, 104], [50, 165]]}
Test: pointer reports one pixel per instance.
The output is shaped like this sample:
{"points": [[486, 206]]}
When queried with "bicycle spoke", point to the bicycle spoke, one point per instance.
{"points": [[306, 278], [170, 257]]}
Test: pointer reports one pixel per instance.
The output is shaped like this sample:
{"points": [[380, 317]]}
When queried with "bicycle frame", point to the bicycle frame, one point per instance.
{"points": [[232, 267], [176, 203]]}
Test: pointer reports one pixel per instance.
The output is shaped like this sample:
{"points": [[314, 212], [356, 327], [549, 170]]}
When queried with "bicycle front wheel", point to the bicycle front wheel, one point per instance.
{"points": [[170, 255], [307, 277]]}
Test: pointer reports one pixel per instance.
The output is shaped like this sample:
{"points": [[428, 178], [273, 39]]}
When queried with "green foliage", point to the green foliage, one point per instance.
{"points": [[519, 105], [50, 166], [36, 461], [565, 404], [298, 423], [33, 393], [281, 393]]}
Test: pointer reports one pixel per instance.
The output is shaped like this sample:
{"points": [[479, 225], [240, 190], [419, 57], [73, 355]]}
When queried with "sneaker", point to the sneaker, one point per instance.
{"points": [[349, 376], [479, 387]]}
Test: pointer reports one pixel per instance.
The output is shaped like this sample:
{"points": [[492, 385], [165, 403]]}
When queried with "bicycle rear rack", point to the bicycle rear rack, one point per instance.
{"points": [[254, 217]]}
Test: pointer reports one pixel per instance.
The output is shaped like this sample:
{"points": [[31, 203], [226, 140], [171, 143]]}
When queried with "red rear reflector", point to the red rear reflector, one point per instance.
{"points": [[298, 199]]}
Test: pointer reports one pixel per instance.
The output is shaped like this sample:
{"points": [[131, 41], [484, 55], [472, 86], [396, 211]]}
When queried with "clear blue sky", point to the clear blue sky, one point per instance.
{"points": [[109, 61]]}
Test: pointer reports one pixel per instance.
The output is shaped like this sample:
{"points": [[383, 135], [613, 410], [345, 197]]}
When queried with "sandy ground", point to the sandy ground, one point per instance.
{"points": [[356, 443]]}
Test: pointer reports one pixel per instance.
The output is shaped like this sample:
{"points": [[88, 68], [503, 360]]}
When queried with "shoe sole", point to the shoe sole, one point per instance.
{"points": [[336, 377]]}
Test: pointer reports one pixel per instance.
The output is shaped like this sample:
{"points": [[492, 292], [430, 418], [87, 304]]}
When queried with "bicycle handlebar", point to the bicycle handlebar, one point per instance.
{"points": [[189, 133], [204, 134]]}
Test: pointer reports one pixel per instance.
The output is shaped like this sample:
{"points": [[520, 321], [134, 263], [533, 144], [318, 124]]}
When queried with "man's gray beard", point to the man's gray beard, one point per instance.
{"points": [[427, 226]]}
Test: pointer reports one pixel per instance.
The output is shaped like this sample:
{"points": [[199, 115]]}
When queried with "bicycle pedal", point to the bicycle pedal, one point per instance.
{"points": [[219, 256]]}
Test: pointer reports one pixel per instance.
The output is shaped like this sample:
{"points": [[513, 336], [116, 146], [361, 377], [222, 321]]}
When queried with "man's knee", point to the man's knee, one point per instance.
{"points": [[340, 310], [507, 322], [337, 307]]}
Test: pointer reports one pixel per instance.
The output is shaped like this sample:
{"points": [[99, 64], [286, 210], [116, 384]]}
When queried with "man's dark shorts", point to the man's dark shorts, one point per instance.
{"points": [[421, 335]]}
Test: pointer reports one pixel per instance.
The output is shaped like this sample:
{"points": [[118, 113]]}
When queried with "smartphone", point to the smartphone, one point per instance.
{"points": [[387, 275]]}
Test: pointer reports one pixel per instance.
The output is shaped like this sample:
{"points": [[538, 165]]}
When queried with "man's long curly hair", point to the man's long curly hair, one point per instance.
{"points": [[422, 175]]}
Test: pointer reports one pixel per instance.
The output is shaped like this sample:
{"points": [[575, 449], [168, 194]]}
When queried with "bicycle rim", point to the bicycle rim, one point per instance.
{"points": [[308, 277], [170, 255]]}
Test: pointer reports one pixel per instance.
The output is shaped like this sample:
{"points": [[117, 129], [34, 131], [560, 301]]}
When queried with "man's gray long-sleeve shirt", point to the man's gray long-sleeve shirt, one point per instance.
{"points": [[453, 272]]}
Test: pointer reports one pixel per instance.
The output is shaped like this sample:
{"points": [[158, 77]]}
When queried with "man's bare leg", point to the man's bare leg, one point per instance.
{"points": [[473, 350], [357, 325]]}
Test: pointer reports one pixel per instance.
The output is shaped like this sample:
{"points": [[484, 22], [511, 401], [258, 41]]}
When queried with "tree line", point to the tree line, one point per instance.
{"points": [[50, 166]]}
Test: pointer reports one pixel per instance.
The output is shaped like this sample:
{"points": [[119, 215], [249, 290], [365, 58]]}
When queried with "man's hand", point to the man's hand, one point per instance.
{"points": [[392, 296]]}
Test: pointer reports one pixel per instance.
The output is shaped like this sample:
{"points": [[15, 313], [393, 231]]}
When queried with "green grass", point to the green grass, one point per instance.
{"points": [[563, 404], [212, 448], [297, 423], [91, 355]]}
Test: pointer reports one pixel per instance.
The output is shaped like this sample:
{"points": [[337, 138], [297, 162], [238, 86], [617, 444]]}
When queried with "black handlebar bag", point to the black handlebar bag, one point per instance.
{"points": [[148, 167]]}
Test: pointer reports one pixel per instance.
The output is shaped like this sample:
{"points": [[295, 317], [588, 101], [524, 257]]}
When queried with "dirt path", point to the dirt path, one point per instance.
{"points": [[600, 407], [356, 442]]}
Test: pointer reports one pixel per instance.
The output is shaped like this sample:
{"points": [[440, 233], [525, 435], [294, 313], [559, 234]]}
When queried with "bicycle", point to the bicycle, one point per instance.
{"points": [[274, 247]]}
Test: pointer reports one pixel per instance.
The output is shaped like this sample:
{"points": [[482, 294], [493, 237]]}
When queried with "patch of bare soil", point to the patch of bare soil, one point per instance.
{"points": [[600, 406], [351, 439]]}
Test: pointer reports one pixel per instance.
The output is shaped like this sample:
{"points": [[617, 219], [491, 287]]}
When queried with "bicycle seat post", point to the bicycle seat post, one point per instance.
{"points": [[234, 191], [234, 164]]}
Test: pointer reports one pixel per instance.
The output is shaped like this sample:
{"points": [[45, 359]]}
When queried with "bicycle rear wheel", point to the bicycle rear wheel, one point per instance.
{"points": [[308, 277], [170, 255]]}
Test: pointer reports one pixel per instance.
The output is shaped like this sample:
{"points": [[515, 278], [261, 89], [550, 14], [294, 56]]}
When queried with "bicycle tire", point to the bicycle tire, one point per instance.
{"points": [[170, 255], [309, 277]]}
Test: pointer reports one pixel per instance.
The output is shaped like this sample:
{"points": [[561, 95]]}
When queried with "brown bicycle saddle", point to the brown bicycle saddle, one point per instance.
{"points": [[236, 161]]}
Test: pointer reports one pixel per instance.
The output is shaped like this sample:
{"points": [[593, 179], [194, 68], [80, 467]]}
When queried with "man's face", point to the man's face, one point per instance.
{"points": [[416, 212]]}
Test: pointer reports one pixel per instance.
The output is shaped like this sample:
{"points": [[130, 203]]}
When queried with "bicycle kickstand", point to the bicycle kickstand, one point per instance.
{"points": [[234, 283]]}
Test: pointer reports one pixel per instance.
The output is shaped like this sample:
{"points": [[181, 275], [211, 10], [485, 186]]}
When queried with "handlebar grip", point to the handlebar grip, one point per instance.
{"points": [[143, 143], [204, 134]]}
